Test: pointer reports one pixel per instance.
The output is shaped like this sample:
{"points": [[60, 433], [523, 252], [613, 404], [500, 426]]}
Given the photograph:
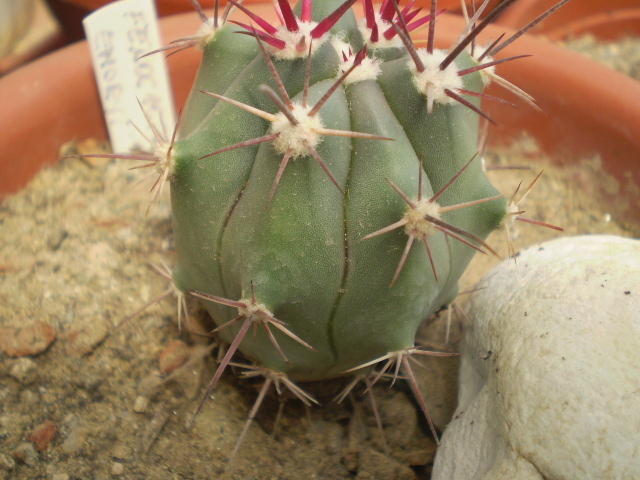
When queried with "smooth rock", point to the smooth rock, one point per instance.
{"points": [[117, 469], [26, 454], [83, 336], [6, 463], [43, 434], [173, 356], [75, 440], [550, 368], [141, 404], [26, 338], [24, 370]]}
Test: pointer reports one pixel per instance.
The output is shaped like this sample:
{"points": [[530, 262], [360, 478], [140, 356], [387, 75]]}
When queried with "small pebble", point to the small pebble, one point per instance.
{"points": [[149, 385], [173, 356], [29, 339], [141, 404], [5, 393], [55, 239], [84, 336], [6, 463], [121, 452], [74, 441], [29, 398], [26, 454], [43, 434], [24, 370], [117, 468]]}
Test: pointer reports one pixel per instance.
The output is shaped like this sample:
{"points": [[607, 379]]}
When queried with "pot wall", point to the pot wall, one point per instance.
{"points": [[607, 20]]}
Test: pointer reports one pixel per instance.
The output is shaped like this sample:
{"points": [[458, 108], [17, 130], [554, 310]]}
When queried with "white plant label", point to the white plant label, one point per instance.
{"points": [[118, 35]]}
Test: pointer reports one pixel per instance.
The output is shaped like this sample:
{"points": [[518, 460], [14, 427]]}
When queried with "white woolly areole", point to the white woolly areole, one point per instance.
{"points": [[166, 159], [433, 82], [294, 48], [206, 33], [369, 68], [253, 309], [296, 138], [510, 217], [383, 26], [417, 225]]}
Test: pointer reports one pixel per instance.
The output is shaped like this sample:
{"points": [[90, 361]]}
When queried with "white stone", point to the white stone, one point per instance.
{"points": [[550, 368]]}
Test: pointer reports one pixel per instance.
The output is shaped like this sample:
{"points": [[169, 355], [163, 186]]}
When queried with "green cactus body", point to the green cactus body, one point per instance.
{"points": [[297, 245]]}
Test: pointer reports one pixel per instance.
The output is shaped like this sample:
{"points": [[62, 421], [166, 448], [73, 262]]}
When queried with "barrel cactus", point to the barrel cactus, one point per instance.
{"points": [[326, 187]]}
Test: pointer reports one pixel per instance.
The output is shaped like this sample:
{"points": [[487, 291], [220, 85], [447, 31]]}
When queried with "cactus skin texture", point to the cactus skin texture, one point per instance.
{"points": [[297, 254]]}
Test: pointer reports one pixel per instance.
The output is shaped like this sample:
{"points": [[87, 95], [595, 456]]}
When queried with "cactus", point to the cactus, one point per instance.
{"points": [[326, 184]]}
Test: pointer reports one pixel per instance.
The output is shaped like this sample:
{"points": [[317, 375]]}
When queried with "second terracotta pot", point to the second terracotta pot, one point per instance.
{"points": [[607, 20]]}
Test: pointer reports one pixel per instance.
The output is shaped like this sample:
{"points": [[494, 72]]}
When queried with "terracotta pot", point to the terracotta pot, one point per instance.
{"points": [[586, 109], [607, 20], [165, 7], [453, 6], [170, 7], [70, 13], [54, 100]]}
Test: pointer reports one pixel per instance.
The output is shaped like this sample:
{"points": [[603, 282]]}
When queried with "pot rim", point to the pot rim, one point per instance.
{"points": [[586, 107]]}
